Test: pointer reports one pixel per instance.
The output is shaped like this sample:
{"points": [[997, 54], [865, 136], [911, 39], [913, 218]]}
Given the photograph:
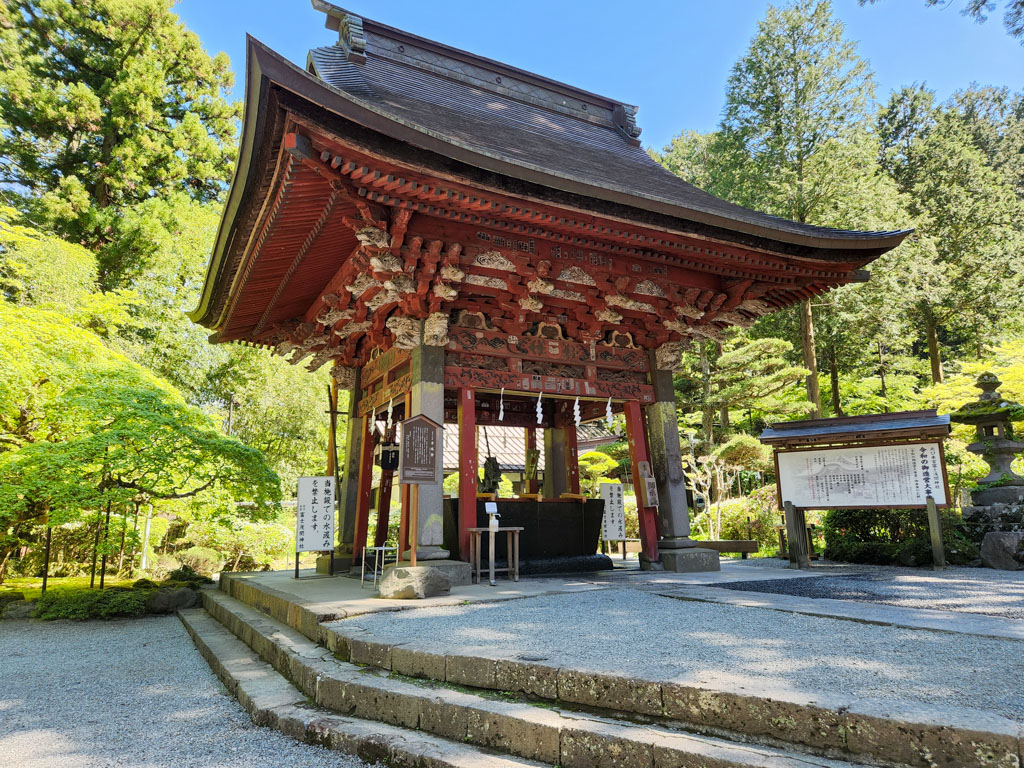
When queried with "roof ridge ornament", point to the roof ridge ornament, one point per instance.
{"points": [[352, 38], [624, 116]]}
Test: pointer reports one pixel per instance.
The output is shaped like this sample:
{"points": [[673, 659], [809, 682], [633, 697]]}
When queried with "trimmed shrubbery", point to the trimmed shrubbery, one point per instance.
{"points": [[143, 597], [892, 537]]}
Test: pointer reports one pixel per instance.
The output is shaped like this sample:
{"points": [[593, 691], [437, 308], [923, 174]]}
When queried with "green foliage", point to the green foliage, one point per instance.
{"points": [[232, 540], [1013, 12], [187, 575], [144, 584], [596, 467], [200, 559], [892, 537], [83, 604], [106, 105]]}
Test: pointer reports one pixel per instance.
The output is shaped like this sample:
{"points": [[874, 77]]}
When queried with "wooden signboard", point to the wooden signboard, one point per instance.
{"points": [[876, 461], [863, 477], [421, 451]]}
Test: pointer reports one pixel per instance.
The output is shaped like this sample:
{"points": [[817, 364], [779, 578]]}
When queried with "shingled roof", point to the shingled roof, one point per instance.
{"points": [[580, 141]]}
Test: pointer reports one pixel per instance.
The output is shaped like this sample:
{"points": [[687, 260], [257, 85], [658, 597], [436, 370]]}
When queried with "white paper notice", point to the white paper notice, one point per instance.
{"points": [[314, 518], [613, 524], [879, 476]]}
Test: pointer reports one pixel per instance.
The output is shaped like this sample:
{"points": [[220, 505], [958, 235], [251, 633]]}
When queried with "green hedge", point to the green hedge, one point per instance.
{"points": [[892, 537]]}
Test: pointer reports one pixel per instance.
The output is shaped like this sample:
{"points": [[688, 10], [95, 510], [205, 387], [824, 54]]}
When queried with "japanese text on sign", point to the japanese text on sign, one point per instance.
{"points": [[870, 476], [314, 515], [420, 458], [613, 524]]}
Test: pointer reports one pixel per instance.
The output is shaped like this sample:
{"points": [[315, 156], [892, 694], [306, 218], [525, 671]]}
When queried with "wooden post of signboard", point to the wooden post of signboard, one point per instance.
{"points": [[935, 528], [796, 530], [420, 463]]}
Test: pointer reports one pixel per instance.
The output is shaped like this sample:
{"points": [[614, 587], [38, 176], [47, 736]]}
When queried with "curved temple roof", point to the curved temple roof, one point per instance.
{"points": [[519, 131], [521, 119]]}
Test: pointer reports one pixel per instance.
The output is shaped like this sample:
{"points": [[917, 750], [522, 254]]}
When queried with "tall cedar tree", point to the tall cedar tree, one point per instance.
{"points": [[799, 89], [105, 104]]}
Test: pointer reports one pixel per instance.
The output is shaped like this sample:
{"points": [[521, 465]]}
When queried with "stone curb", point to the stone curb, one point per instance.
{"points": [[858, 730], [568, 739], [273, 702]]}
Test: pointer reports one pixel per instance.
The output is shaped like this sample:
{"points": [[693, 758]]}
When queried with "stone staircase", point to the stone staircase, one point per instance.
{"points": [[408, 708]]}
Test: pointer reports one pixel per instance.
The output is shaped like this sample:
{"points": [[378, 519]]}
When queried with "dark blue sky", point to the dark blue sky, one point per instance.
{"points": [[672, 58]]}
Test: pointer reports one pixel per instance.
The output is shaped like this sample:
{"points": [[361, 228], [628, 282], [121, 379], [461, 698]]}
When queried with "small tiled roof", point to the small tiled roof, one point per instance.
{"points": [[856, 428], [522, 119]]}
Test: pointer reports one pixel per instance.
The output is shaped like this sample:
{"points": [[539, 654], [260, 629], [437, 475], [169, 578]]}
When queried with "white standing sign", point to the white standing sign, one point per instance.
{"points": [[613, 524], [872, 476], [314, 520]]}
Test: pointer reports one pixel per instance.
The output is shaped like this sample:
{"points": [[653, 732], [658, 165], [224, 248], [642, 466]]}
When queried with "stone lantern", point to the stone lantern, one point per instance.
{"points": [[996, 517], [992, 417]]}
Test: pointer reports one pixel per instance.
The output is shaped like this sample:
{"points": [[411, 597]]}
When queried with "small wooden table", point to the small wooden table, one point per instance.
{"points": [[513, 552]]}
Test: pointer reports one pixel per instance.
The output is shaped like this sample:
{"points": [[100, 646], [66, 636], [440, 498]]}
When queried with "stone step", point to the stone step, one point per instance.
{"points": [[272, 701], [553, 735], [915, 735]]}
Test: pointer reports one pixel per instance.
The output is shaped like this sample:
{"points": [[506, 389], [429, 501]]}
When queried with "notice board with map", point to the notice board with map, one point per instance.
{"points": [[860, 477], [887, 460]]}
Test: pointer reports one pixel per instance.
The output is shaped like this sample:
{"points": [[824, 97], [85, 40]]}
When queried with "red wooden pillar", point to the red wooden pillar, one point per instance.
{"points": [[467, 468], [365, 488], [531, 442], [637, 436], [572, 457]]}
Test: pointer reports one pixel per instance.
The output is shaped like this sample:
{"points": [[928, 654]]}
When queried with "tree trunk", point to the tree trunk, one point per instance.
{"points": [[96, 549], [833, 377], [881, 376], [810, 358], [707, 410], [934, 355], [124, 533]]}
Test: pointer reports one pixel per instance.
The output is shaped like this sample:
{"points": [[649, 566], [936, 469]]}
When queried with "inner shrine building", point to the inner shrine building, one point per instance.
{"points": [[482, 245]]}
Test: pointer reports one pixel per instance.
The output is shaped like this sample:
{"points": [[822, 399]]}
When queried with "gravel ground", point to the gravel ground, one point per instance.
{"points": [[127, 693], [723, 647], [963, 590]]}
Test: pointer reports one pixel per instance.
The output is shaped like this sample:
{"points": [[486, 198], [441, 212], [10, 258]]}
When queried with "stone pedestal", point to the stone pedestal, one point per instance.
{"points": [[459, 573], [690, 560]]}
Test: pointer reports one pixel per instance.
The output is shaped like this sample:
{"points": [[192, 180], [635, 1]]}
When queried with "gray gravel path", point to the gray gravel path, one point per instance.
{"points": [[724, 648], [127, 693], [963, 590]]}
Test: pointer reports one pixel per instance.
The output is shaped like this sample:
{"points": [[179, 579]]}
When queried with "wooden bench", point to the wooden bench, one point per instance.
{"points": [[743, 546]]}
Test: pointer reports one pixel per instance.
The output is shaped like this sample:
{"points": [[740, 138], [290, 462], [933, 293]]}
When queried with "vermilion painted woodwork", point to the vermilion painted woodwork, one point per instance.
{"points": [[637, 437], [467, 468], [365, 489]]}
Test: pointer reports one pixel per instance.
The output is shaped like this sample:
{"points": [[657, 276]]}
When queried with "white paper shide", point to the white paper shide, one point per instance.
{"points": [[314, 519]]}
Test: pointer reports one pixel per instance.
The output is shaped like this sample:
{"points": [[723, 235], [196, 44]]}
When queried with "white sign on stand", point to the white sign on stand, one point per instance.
{"points": [[613, 523], [314, 519], [863, 476]]}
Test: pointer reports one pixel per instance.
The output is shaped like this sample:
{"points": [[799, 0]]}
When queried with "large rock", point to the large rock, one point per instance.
{"points": [[406, 583], [170, 600], [1003, 550], [19, 609]]}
